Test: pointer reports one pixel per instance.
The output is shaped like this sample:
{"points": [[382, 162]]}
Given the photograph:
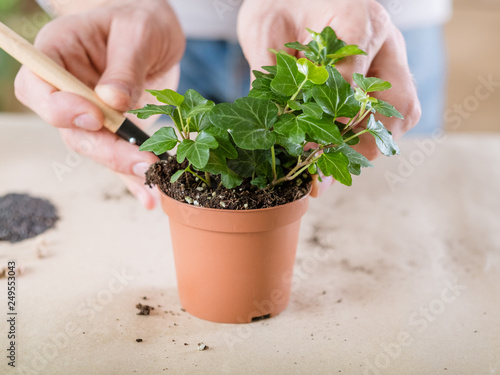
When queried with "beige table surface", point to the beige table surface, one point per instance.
{"points": [[391, 278]]}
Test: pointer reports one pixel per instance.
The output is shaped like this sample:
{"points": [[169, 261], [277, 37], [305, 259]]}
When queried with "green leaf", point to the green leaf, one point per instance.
{"points": [[271, 69], [331, 41], [248, 120], [293, 104], [337, 166], [177, 175], [322, 131], [288, 78], [252, 162], [168, 96], [336, 96], [161, 141], [371, 84], [294, 149], [289, 127], [194, 109], [313, 168], [312, 109], [260, 182], [316, 74], [356, 160], [217, 165], [152, 109], [344, 52], [386, 109], [353, 141], [298, 46], [383, 137], [198, 151]]}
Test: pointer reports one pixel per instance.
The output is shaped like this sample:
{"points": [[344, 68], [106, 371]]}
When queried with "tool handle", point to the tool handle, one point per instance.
{"points": [[45, 68]]}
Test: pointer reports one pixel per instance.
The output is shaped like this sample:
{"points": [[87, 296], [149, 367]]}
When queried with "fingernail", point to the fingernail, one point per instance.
{"points": [[140, 169], [87, 122]]}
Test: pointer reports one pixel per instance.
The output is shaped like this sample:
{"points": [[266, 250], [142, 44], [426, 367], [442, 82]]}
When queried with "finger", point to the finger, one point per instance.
{"points": [[149, 197], [367, 28], [319, 187], [391, 64], [128, 62], [109, 150], [60, 109]]}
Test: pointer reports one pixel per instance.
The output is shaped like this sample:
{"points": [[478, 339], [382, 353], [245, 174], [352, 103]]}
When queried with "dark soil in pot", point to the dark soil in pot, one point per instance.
{"points": [[191, 190]]}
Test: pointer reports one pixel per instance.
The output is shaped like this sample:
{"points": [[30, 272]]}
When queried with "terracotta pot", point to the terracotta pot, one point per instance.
{"points": [[234, 266]]}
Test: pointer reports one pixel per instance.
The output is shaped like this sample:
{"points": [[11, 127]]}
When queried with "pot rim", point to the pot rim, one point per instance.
{"points": [[235, 211]]}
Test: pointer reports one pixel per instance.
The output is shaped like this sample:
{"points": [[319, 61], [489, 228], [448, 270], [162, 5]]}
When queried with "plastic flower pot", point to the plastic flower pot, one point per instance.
{"points": [[234, 266]]}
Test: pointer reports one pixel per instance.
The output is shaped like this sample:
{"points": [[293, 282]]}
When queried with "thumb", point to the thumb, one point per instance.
{"points": [[122, 82]]}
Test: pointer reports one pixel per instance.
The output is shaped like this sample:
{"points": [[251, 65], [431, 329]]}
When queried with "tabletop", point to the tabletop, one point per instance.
{"points": [[399, 274]]}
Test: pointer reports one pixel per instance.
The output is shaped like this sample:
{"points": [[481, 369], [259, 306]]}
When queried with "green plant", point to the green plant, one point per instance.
{"points": [[262, 136]]}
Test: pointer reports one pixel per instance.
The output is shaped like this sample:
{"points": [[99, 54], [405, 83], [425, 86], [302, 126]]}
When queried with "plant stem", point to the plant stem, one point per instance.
{"points": [[188, 169], [186, 135], [296, 93], [355, 135], [207, 177], [273, 154]]}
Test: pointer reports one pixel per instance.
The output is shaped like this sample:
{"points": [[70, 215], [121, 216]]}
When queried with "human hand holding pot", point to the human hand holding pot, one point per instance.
{"points": [[118, 50], [263, 24]]}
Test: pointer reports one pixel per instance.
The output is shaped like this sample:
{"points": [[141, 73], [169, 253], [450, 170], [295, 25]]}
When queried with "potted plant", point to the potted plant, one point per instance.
{"points": [[239, 184]]}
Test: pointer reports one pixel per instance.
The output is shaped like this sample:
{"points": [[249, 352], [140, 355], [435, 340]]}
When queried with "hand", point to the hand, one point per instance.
{"points": [[118, 50], [264, 24]]}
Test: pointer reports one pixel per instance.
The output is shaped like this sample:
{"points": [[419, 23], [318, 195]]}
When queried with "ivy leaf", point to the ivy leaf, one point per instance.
{"points": [[271, 69], [337, 166], [248, 120], [288, 78], [371, 84], [298, 46], [293, 104], [336, 96], [252, 162], [168, 96], [331, 41], [294, 149], [386, 109], [313, 168], [218, 165], [152, 109], [288, 126], [193, 110], [353, 141], [198, 151], [344, 52], [322, 131], [312, 109], [316, 74], [177, 175], [161, 141], [383, 137], [356, 160], [260, 182]]}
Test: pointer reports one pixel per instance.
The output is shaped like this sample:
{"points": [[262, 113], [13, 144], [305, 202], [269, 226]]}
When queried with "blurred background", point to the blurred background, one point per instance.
{"points": [[472, 46]]}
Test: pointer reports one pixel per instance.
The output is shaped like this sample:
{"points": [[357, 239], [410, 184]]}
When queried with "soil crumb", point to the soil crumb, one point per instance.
{"points": [[189, 189], [144, 309], [23, 217]]}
